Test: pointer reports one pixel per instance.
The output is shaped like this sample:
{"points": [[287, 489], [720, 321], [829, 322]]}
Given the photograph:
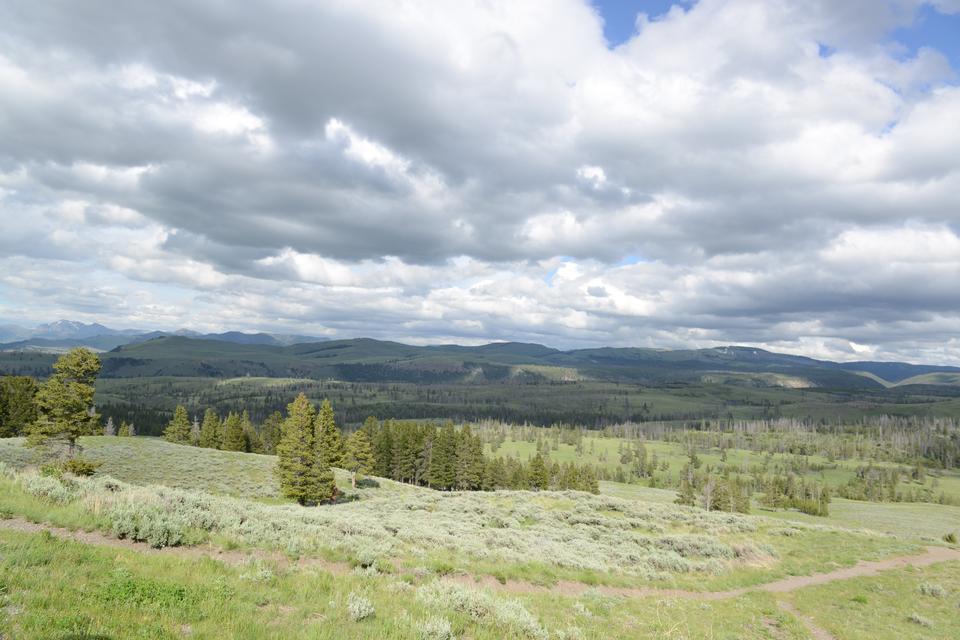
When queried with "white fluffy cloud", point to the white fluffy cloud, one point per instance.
{"points": [[752, 171]]}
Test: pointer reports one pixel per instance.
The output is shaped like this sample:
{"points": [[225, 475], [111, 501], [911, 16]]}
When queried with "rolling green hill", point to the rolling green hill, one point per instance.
{"points": [[367, 360], [514, 382]]}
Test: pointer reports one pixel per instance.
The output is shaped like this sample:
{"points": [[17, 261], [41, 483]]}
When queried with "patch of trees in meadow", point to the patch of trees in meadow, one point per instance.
{"points": [[447, 458], [308, 444], [900, 439]]}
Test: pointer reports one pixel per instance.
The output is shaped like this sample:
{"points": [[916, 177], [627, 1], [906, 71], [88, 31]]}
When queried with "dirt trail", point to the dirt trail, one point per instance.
{"points": [[817, 633], [231, 557], [785, 585], [863, 568]]}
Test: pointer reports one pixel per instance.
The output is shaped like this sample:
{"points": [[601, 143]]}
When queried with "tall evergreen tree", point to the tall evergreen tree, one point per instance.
{"points": [[538, 475], [494, 475], [18, 409], [65, 401], [443, 458], [178, 429], [371, 425], [270, 432], [250, 436], [210, 430], [469, 454], [124, 430], [405, 452], [590, 482], [358, 456], [302, 476], [233, 437], [329, 442], [383, 449]]}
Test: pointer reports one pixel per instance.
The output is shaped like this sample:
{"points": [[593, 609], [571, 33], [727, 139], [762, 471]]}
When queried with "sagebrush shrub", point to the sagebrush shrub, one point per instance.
{"points": [[916, 618], [932, 590], [359, 607], [49, 488], [435, 629], [393, 525]]}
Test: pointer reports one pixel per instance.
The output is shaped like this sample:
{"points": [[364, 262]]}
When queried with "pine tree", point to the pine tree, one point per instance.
{"points": [[371, 425], [588, 480], [195, 431], [124, 430], [383, 449], [210, 430], [468, 472], [516, 474], [233, 437], [402, 456], [18, 409], [251, 438], [688, 491], [302, 476], [358, 457], [110, 429], [178, 429], [494, 476], [65, 401], [270, 432], [328, 441], [443, 459], [538, 476]]}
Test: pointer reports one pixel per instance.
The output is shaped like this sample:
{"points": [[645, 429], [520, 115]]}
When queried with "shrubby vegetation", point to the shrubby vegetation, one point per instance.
{"points": [[623, 537]]}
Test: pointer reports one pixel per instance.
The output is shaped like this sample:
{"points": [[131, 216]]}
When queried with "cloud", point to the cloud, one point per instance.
{"points": [[778, 172]]}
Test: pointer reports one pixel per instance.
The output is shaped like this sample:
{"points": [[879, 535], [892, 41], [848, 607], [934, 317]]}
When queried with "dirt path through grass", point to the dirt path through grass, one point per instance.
{"points": [[863, 568], [568, 588], [816, 632], [232, 557]]}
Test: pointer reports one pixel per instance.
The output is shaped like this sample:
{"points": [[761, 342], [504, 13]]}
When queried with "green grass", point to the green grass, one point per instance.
{"points": [[517, 535], [146, 461], [59, 589], [920, 522], [604, 452], [916, 521], [881, 607]]}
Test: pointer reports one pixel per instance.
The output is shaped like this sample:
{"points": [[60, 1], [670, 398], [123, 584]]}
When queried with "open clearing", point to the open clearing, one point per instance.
{"points": [[627, 563]]}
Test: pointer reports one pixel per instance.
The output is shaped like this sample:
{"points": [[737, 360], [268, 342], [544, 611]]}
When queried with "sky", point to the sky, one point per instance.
{"points": [[776, 173]]}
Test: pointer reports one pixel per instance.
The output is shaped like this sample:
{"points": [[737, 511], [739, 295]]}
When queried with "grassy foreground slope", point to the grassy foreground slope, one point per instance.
{"points": [[146, 461], [416, 553]]}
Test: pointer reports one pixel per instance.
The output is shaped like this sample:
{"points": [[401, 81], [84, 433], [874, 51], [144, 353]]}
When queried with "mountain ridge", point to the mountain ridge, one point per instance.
{"points": [[371, 360]]}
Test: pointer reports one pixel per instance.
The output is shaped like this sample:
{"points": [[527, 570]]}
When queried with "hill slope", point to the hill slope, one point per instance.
{"points": [[368, 360]]}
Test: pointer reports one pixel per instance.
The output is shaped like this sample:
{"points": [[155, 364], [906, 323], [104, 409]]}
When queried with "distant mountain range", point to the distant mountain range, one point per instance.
{"points": [[66, 334], [229, 355]]}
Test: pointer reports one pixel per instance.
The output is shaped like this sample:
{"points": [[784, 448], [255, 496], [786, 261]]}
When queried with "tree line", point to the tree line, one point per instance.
{"points": [[309, 444], [447, 458]]}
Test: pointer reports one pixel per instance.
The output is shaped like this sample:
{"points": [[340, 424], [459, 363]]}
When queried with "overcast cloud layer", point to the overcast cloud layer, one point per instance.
{"points": [[748, 171]]}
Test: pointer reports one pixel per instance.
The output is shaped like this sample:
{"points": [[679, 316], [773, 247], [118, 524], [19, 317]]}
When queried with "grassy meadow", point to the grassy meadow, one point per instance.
{"points": [[396, 561], [605, 452]]}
